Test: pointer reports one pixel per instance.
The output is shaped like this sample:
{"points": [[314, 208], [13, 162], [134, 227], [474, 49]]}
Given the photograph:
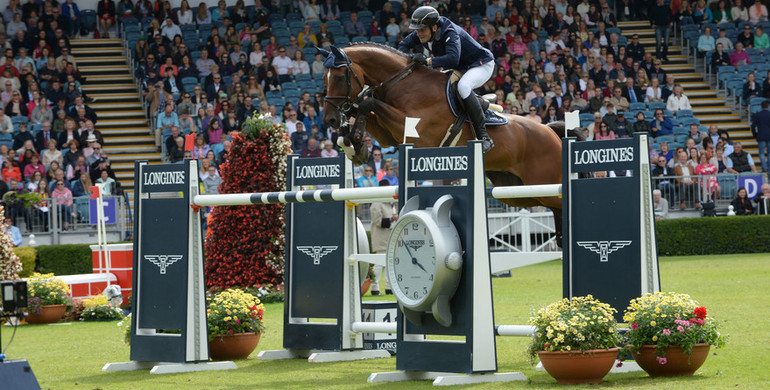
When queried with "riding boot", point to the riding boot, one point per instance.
{"points": [[473, 108]]}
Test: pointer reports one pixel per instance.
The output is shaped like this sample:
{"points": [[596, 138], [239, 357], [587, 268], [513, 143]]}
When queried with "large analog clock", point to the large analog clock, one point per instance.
{"points": [[424, 260]]}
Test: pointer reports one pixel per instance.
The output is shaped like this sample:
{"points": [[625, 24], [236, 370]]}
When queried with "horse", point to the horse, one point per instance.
{"points": [[372, 87]]}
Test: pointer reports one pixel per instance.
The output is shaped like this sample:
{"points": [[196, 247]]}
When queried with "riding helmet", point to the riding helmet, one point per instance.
{"points": [[425, 16]]}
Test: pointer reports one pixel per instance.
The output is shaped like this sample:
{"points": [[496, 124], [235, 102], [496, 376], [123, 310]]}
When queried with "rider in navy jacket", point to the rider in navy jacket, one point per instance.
{"points": [[452, 47]]}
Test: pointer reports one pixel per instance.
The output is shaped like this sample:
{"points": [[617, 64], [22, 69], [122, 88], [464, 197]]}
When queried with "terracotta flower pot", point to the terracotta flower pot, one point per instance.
{"points": [[233, 347], [365, 286], [677, 363], [574, 367], [48, 315]]}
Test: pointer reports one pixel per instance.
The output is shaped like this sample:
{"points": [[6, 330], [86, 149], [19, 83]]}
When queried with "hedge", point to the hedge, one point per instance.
{"points": [[27, 255], [65, 259], [713, 236]]}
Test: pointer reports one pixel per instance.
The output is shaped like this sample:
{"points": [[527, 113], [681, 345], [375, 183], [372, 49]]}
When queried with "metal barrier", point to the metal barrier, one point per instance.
{"points": [[48, 222], [700, 190]]}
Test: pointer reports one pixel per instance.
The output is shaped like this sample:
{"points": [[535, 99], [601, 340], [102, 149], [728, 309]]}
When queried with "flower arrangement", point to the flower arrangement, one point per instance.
{"points": [[99, 309], [250, 253], [125, 328], [10, 265], [48, 290], [266, 293], [577, 324], [234, 311], [668, 319]]}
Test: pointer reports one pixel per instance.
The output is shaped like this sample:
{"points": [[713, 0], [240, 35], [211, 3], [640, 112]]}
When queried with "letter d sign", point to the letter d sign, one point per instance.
{"points": [[751, 183]]}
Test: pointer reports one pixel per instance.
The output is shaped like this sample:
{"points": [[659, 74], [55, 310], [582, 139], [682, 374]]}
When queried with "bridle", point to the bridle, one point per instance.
{"points": [[349, 107]]}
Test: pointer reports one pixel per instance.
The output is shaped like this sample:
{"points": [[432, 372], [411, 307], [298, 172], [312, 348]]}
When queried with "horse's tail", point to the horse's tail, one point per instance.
{"points": [[558, 128]]}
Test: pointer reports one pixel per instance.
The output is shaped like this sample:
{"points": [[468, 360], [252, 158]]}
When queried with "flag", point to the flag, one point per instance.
{"points": [[189, 142], [94, 191], [410, 128], [571, 120]]}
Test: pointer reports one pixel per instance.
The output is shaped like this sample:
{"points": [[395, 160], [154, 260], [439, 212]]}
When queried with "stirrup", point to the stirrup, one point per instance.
{"points": [[486, 144]]}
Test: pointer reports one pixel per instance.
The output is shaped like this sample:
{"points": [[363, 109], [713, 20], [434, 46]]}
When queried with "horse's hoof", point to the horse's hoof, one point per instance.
{"points": [[486, 145]]}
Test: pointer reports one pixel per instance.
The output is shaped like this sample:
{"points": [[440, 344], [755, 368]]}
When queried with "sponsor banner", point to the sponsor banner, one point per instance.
{"points": [[163, 178], [317, 171], [437, 163], [752, 184], [610, 155]]}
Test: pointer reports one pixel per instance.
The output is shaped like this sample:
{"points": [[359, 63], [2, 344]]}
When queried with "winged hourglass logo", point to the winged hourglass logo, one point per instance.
{"points": [[163, 261], [316, 252], [603, 248]]}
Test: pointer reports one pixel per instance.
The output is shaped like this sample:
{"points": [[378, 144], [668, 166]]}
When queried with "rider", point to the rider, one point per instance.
{"points": [[452, 48]]}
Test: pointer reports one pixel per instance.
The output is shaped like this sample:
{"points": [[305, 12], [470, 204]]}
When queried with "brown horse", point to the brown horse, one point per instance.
{"points": [[525, 152]]}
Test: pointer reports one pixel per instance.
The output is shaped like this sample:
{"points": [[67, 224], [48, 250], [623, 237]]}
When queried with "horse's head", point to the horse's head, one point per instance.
{"points": [[343, 85]]}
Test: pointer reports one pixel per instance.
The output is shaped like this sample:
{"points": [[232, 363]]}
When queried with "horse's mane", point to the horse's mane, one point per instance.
{"points": [[376, 45]]}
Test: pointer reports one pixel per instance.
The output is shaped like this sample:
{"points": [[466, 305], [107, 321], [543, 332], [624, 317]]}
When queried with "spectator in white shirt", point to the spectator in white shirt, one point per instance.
{"points": [[170, 30], [282, 65], [678, 101]]}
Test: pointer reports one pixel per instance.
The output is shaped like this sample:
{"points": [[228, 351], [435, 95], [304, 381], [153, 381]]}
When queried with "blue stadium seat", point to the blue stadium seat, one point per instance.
{"points": [[637, 106], [684, 114], [302, 77]]}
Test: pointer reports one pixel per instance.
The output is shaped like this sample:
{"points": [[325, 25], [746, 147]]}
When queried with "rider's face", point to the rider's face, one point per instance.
{"points": [[424, 34]]}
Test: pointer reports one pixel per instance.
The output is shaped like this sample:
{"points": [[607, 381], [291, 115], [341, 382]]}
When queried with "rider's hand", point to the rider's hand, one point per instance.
{"points": [[420, 59]]}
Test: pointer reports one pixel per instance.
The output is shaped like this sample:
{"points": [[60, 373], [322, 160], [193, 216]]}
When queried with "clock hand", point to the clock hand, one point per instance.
{"points": [[414, 261]]}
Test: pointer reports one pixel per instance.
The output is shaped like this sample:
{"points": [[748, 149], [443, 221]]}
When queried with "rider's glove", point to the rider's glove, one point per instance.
{"points": [[420, 59]]}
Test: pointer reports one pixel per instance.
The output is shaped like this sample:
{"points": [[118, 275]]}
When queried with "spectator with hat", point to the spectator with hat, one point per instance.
{"points": [[90, 133]]}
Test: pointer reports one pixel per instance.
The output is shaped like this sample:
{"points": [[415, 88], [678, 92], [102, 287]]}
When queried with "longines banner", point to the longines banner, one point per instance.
{"points": [[610, 155]]}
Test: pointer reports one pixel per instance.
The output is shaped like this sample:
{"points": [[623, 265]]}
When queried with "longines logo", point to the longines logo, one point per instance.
{"points": [[163, 261], [415, 244], [603, 248], [163, 178], [316, 252]]}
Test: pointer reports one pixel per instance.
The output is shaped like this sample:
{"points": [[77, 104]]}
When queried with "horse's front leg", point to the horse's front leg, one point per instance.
{"points": [[384, 122]]}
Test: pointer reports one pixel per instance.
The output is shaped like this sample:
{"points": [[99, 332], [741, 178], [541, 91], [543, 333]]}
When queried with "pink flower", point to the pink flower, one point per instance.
{"points": [[620, 364], [666, 332], [230, 331], [237, 320], [634, 326], [661, 360], [680, 328]]}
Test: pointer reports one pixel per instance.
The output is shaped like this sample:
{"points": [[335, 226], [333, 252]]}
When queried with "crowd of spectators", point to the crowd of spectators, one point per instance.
{"points": [[205, 70], [49, 144]]}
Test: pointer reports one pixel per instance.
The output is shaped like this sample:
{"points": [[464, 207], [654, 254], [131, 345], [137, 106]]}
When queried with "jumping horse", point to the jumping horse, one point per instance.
{"points": [[372, 87]]}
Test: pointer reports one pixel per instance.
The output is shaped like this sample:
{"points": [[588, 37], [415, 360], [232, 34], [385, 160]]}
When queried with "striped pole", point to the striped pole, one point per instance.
{"points": [[360, 194], [357, 194]]}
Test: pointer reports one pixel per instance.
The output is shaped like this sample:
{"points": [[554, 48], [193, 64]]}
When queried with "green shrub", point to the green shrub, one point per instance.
{"points": [[65, 259], [713, 236], [27, 256]]}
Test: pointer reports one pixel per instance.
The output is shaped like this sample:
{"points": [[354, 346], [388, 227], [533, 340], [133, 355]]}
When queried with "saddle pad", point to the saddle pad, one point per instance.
{"points": [[492, 117]]}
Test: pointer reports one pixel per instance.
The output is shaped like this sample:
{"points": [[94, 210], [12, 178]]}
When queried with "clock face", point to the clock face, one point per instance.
{"points": [[412, 266]]}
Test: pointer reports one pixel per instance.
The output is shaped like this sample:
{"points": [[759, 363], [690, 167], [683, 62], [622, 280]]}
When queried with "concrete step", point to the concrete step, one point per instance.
{"points": [[112, 139], [100, 107], [132, 156], [144, 149], [127, 130], [125, 87], [125, 114]]}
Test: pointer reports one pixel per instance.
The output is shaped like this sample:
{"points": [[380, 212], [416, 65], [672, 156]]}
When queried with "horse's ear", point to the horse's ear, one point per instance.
{"points": [[324, 52], [337, 52]]}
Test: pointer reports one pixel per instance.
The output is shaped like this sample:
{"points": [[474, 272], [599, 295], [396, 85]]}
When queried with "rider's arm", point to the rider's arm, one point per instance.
{"points": [[452, 56], [406, 44]]}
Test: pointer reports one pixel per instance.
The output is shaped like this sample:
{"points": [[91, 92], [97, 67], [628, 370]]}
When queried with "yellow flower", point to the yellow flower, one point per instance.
{"points": [[654, 338], [652, 323]]}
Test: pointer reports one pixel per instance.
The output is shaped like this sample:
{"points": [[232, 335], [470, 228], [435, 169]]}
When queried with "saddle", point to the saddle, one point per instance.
{"points": [[458, 110]]}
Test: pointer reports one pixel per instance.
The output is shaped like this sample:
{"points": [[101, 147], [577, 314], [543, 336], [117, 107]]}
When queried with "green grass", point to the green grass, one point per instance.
{"points": [[734, 288]]}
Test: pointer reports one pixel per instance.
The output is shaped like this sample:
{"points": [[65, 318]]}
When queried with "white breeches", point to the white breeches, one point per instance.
{"points": [[474, 78]]}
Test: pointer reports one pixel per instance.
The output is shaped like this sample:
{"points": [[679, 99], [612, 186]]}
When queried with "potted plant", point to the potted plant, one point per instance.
{"points": [[98, 309], [671, 333], [49, 298], [234, 324], [575, 339]]}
